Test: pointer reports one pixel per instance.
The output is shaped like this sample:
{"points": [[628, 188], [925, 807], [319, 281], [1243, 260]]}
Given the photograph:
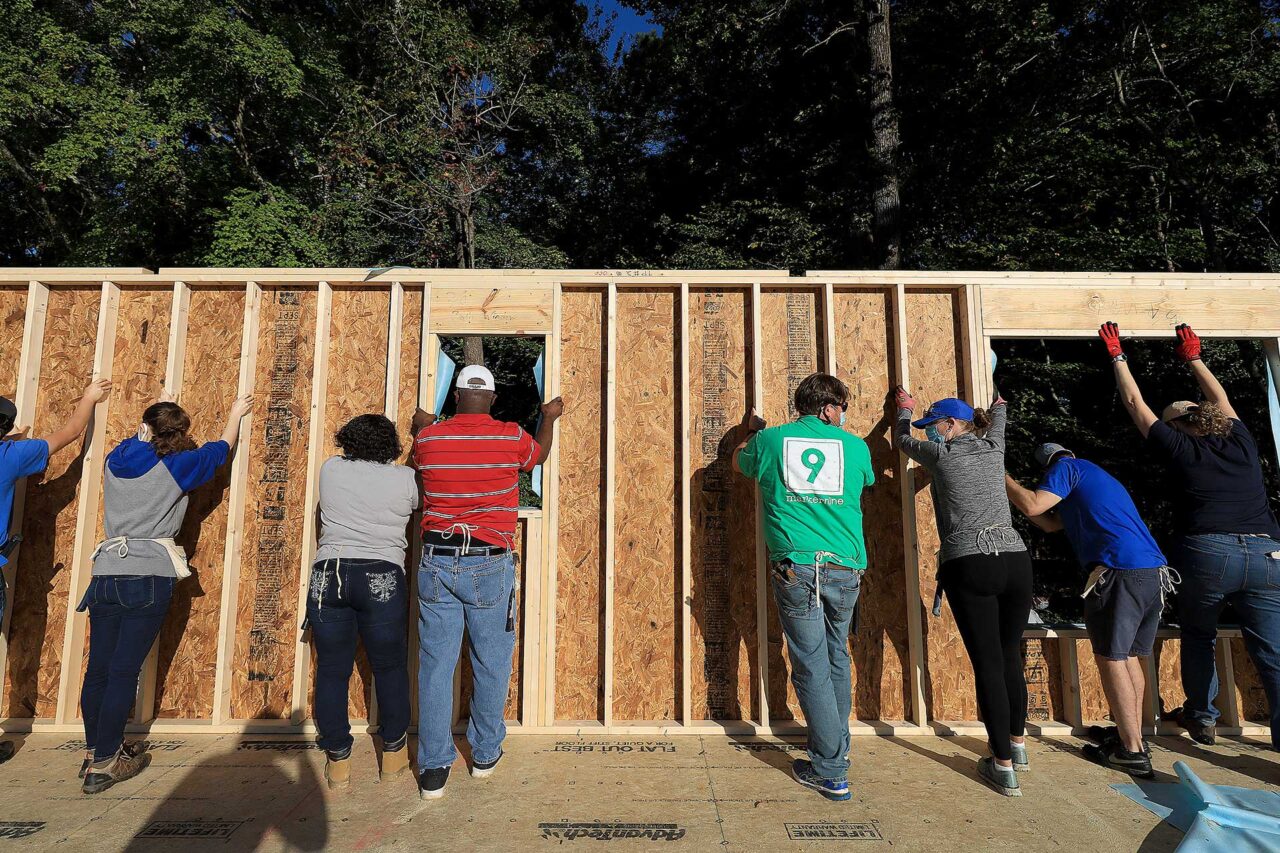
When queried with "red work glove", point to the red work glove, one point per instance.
{"points": [[1110, 334], [904, 399], [1188, 343]]}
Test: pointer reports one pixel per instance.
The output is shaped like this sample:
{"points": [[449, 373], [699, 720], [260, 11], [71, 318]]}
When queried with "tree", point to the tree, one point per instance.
{"points": [[886, 228]]}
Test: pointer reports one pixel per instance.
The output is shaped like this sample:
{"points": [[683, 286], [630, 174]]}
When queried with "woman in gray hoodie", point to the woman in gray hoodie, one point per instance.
{"points": [[135, 568]]}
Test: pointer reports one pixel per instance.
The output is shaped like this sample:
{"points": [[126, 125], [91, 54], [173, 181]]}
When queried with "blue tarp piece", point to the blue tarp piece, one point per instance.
{"points": [[1214, 817], [538, 372], [1273, 403], [445, 367]]}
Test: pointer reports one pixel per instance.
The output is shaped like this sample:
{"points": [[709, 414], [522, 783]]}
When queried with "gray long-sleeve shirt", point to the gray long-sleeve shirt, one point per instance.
{"points": [[969, 496]]}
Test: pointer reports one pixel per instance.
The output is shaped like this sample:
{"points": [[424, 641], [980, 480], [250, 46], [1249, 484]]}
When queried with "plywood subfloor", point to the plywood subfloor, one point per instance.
{"points": [[708, 793]]}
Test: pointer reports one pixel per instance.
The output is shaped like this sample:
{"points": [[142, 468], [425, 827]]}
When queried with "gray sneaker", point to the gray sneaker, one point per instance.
{"points": [[1020, 762], [1004, 781]]}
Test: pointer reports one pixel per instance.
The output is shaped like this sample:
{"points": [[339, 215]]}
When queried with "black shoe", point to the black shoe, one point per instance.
{"points": [[483, 770], [1102, 734], [126, 765], [431, 783], [1115, 756], [1200, 733], [8, 749]]}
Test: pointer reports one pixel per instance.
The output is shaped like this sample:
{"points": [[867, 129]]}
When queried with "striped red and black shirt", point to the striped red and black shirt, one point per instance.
{"points": [[470, 467]]}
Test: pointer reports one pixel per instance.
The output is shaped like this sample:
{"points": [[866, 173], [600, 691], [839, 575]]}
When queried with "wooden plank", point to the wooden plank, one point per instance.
{"points": [[76, 633], [315, 458], [762, 603], [551, 517], [1228, 699], [237, 501], [513, 310], [610, 491], [187, 660], [417, 378], [646, 573], [911, 550], [686, 514], [527, 686], [175, 354], [395, 325], [27, 308], [1082, 309], [1072, 712]]}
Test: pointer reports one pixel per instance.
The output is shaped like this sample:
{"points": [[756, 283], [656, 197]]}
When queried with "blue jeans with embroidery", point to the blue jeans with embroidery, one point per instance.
{"points": [[1219, 569], [126, 613], [478, 592], [817, 632], [368, 598]]}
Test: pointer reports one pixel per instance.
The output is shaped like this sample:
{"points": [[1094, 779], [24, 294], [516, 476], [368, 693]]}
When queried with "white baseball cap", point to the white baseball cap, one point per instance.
{"points": [[473, 377]]}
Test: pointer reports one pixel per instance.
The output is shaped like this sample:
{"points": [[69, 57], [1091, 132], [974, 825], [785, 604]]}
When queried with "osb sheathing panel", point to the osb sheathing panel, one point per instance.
{"points": [[864, 355], [189, 639], [1169, 671], [790, 349], [936, 371], [1043, 671], [723, 555], [511, 711], [646, 605], [579, 567], [267, 621], [13, 315], [137, 380], [1093, 701], [44, 565], [357, 385], [1251, 697]]}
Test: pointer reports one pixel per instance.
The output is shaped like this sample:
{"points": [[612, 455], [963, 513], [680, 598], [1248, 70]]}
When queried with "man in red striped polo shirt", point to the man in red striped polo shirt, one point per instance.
{"points": [[469, 467]]}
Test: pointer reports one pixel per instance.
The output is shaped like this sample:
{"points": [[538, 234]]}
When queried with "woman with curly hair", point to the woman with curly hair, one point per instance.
{"points": [[145, 488], [358, 588], [1230, 547]]}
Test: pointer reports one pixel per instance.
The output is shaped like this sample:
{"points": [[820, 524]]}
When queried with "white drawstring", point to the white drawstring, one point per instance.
{"points": [[990, 537], [466, 534], [338, 571], [118, 544], [1169, 578]]}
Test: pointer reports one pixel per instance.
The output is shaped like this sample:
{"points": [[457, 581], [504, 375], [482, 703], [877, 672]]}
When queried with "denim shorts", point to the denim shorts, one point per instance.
{"points": [[1122, 613]]}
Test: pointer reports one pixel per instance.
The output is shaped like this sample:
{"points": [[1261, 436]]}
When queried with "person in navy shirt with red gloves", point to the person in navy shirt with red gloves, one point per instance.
{"points": [[1229, 552], [21, 457]]}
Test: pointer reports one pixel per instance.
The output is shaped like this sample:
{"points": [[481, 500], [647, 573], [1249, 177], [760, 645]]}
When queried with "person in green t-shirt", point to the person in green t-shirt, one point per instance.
{"points": [[811, 475]]}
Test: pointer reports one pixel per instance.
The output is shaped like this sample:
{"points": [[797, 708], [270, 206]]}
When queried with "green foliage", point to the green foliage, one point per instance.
{"points": [[265, 229]]}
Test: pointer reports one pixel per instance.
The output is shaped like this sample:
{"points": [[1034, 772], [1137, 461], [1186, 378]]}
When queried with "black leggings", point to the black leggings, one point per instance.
{"points": [[990, 596]]}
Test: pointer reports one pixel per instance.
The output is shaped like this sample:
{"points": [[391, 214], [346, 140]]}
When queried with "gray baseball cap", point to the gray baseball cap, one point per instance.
{"points": [[1046, 453]]}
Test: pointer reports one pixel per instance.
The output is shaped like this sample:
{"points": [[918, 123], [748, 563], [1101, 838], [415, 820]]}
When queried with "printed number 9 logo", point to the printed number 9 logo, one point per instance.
{"points": [[813, 459]]}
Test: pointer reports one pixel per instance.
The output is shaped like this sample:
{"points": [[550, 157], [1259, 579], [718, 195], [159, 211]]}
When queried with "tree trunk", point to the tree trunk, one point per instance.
{"points": [[887, 221], [464, 242]]}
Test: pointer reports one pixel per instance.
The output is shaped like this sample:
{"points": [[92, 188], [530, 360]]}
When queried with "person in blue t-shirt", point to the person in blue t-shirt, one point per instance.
{"points": [[21, 457], [1125, 592]]}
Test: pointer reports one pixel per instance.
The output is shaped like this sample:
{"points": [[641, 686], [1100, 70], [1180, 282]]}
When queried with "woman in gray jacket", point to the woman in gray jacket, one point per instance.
{"points": [[984, 567], [144, 491]]}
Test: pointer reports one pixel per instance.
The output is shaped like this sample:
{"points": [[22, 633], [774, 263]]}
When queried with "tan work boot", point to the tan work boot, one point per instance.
{"points": [[394, 764], [337, 772], [125, 765]]}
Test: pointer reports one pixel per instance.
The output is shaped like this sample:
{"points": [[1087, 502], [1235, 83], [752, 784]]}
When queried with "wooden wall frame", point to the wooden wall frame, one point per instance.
{"points": [[497, 302]]}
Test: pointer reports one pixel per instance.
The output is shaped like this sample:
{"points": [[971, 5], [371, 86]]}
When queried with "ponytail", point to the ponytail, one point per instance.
{"points": [[981, 421], [168, 424]]}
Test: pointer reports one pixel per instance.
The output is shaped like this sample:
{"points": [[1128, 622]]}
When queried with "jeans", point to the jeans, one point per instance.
{"points": [[1219, 569], [126, 613], [818, 645], [369, 598], [478, 592]]}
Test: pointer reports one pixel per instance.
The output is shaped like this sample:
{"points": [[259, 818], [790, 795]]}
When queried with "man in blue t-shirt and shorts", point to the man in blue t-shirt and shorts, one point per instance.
{"points": [[1124, 595]]}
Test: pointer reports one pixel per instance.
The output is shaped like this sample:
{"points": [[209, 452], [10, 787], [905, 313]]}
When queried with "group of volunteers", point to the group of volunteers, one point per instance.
{"points": [[812, 472], [464, 477]]}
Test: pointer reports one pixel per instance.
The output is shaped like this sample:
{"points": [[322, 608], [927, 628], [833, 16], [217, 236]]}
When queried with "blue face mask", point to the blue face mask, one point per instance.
{"points": [[842, 418], [931, 432]]}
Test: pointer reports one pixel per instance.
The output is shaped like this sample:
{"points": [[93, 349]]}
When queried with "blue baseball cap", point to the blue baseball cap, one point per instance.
{"points": [[1049, 451], [948, 408]]}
